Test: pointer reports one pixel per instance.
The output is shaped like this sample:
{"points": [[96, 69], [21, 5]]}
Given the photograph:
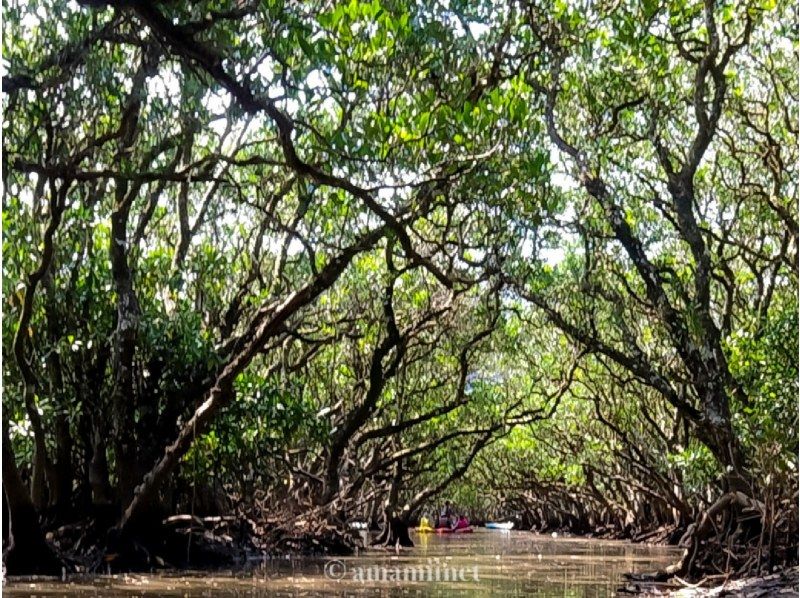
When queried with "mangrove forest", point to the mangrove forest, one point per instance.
{"points": [[286, 277]]}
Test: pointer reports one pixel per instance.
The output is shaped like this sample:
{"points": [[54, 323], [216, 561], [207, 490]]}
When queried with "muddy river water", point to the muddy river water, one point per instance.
{"points": [[486, 563]]}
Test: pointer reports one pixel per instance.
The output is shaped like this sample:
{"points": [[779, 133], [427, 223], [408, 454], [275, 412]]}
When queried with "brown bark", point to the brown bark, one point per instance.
{"points": [[123, 394], [21, 336], [28, 553], [123, 403], [94, 426], [395, 525], [98, 466], [61, 473]]}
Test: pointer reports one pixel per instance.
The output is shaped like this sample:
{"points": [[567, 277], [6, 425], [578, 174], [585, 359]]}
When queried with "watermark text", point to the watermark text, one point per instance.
{"points": [[433, 571]]}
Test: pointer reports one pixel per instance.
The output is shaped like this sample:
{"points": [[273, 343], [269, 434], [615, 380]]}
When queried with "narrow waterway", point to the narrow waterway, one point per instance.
{"points": [[480, 564]]}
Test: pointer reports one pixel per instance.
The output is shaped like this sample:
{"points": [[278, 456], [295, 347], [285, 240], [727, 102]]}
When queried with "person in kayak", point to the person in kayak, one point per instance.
{"points": [[446, 515], [461, 523]]}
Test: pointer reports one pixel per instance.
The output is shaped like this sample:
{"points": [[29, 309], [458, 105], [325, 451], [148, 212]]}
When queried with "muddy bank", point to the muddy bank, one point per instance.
{"points": [[784, 584], [183, 542]]}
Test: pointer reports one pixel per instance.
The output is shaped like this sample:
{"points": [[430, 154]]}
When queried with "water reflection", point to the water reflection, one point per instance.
{"points": [[480, 564]]}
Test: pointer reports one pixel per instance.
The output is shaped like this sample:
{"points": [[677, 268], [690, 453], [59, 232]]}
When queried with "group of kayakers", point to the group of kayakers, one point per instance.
{"points": [[447, 519]]}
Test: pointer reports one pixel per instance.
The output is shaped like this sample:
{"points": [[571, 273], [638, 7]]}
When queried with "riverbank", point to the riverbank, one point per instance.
{"points": [[783, 584]]}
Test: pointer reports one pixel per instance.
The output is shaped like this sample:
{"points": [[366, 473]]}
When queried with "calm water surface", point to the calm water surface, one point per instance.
{"points": [[485, 563]]}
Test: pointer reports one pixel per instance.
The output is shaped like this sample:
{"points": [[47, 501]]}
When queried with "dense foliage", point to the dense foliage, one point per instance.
{"points": [[315, 261]]}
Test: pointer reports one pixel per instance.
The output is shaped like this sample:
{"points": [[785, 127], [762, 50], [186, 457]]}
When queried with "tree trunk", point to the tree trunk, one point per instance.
{"points": [[123, 402], [61, 473], [715, 430], [21, 338], [28, 553], [395, 531], [61, 488], [98, 468], [395, 525]]}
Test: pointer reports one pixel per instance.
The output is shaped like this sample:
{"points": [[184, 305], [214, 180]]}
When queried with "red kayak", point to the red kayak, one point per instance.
{"points": [[447, 530]]}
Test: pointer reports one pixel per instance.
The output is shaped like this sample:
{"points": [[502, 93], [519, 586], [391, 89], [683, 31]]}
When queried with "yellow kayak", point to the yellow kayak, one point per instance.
{"points": [[425, 526]]}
